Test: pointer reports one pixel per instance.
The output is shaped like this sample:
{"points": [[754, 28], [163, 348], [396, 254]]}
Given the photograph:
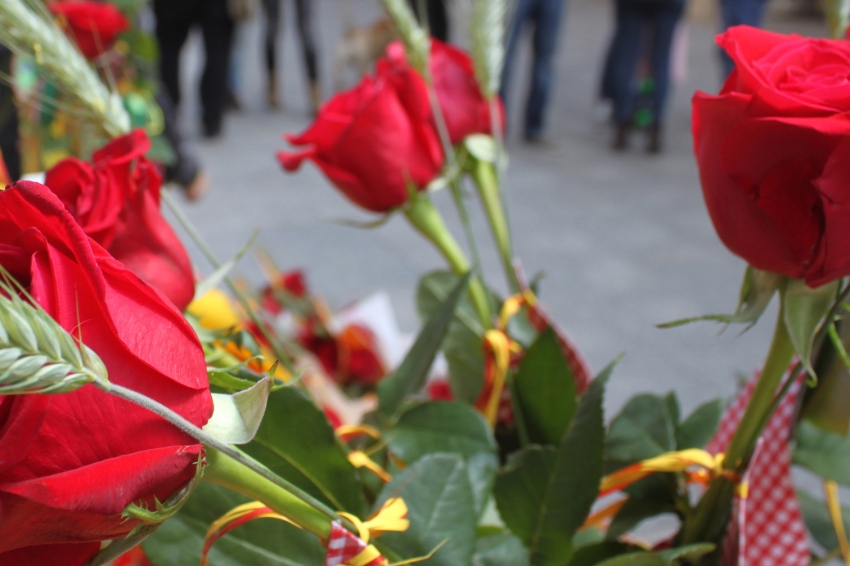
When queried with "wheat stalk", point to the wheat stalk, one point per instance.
{"points": [[487, 31], [30, 31], [39, 356], [415, 40]]}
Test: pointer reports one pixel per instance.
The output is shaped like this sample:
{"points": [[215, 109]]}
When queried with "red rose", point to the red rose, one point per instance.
{"points": [[371, 142], [94, 26], [116, 201], [773, 150], [69, 464], [464, 107]]}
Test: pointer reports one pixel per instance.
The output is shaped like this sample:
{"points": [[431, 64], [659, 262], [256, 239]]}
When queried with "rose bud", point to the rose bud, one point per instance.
{"points": [[94, 26], [71, 463], [773, 149], [115, 199]]}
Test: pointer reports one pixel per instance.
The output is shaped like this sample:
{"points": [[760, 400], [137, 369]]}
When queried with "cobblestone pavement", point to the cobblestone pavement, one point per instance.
{"points": [[624, 239]]}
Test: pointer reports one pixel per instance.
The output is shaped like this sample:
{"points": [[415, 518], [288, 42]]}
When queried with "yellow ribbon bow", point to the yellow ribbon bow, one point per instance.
{"points": [[390, 517]]}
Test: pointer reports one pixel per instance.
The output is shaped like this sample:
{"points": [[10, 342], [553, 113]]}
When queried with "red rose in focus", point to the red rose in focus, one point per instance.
{"points": [[464, 107], [773, 150], [116, 201], [371, 142], [94, 26], [69, 464]]}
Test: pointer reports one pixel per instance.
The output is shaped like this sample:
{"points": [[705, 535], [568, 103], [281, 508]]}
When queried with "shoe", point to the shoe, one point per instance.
{"points": [[232, 102], [621, 137], [315, 97], [211, 131], [271, 93], [654, 144]]}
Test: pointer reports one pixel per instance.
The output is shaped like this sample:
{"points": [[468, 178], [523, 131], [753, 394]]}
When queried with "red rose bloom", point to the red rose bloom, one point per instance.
{"points": [[69, 464], [116, 201], [94, 26], [371, 142], [464, 107], [773, 150]]}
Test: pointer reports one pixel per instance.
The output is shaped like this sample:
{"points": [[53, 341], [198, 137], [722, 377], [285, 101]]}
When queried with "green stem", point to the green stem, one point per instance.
{"points": [[486, 180], [240, 296], [425, 217], [225, 471], [712, 512]]}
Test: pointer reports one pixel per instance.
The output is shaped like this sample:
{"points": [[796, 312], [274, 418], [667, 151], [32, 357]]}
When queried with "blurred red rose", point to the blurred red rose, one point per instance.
{"points": [[372, 143], [359, 358], [116, 201], [773, 150], [94, 26], [69, 464], [464, 107]]}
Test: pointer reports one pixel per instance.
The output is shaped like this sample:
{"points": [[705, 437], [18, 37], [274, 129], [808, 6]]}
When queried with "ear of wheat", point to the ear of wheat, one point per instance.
{"points": [[39, 356], [487, 32], [412, 35]]}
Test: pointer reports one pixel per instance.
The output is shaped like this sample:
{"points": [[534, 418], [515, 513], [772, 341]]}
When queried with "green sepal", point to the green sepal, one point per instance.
{"points": [[804, 309], [236, 418], [757, 290]]}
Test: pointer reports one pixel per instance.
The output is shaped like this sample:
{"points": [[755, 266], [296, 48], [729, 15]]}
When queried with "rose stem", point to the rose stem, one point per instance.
{"points": [[226, 450], [712, 512], [240, 296]]}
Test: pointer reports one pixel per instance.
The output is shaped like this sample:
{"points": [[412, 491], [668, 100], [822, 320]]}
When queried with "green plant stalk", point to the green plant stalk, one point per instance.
{"points": [[712, 512], [425, 217], [486, 180], [223, 470]]}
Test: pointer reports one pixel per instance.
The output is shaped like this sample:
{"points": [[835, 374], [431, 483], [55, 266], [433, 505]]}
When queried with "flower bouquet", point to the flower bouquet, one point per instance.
{"points": [[149, 418]]}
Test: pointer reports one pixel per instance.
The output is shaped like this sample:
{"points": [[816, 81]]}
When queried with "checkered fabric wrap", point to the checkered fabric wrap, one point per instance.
{"points": [[767, 527], [343, 546]]}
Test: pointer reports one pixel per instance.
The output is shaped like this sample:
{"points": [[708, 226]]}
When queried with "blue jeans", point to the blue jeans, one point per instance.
{"points": [[736, 13], [545, 15], [634, 19]]}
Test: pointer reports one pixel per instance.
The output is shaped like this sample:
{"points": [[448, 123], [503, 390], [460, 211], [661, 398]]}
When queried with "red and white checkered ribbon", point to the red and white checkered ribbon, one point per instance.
{"points": [[767, 527], [344, 546]]}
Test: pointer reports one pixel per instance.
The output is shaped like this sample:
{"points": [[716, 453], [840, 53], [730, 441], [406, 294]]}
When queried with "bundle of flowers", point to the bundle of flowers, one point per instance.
{"points": [[149, 418]]}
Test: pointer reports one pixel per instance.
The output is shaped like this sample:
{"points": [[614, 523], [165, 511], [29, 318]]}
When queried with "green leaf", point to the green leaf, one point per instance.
{"points": [[440, 427], [635, 510], [804, 309], [264, 542], [236, 418], [818, 520], [482, 147], [544, 494], [481, 469], [464, 343], [296, 442], [499, 550], [684, 555], [826, 405], [595, 553], [440, 508], [673, 408], [411, 374], [643, 429], [756, 292], [546, 389], [825, 453], [641, 558], [698, 429]]}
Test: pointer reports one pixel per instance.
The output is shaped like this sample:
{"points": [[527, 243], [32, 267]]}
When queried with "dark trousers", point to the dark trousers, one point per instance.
{"points": [[438, 20], [545, 17], [634, 20], [305, 32], [174, 20], [736, 13], [9, 138]]}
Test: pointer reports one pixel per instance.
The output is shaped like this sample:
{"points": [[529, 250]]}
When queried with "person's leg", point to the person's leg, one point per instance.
{"points": [[666, 19], [271, 11], [438, 19], [515, 28], [173, 21], [217, 28], [308, 45], [547, 25], [606, 88], [623, 67]]}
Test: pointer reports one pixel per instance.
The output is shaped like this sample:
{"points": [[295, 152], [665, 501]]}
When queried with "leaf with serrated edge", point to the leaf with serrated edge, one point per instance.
{"points": [[804, 309]]}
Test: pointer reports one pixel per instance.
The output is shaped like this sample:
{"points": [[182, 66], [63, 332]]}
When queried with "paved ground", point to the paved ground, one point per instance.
{"points": [[624, 240]]}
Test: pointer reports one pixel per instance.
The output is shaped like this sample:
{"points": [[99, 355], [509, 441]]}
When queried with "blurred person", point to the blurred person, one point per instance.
{"points": [[437, 17], [9, 138], [174, 20], [308, 47], [545, 17], [736, 13], [649, 24]]}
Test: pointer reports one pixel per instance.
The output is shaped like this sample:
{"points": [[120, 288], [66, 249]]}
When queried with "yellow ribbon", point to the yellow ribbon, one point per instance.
{"points": [[500, 346], [359, 459], [711, 467], [390, 517], [513, 304], [833, 504], [234, 515], [347, 432]]}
